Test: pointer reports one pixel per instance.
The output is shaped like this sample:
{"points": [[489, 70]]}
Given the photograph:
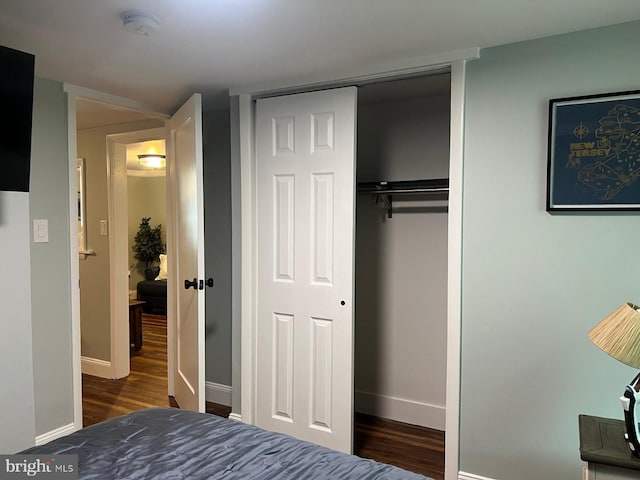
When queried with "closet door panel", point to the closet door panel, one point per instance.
{"points": [[305, 164], [321, 367], [283, 135], [322, 134], [322, 229], [283, 367], [283, 227]]}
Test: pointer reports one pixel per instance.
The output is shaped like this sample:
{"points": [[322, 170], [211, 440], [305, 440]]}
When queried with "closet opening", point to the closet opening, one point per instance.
{"points": [[401, 266]]}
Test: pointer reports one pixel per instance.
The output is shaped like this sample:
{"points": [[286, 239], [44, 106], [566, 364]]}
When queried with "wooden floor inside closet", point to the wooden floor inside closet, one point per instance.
{"points": [[411, 447]]}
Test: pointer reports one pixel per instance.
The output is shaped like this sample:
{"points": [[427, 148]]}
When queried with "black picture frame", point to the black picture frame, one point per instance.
{"points": [[594, 152]]}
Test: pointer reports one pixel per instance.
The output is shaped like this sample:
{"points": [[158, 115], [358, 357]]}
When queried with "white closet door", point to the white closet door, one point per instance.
{"points": [[305, 148]]}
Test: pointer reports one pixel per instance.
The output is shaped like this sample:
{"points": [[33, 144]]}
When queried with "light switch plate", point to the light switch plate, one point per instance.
{"points": [[104, 228], [40, 230]]}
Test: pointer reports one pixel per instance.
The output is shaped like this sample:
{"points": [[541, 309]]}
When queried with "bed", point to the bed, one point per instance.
{"points": [[169, 443]]}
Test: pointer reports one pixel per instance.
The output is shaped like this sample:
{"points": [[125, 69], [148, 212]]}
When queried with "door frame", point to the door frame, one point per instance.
{"points": [[119, 248], [244, 180], [73, 93]]}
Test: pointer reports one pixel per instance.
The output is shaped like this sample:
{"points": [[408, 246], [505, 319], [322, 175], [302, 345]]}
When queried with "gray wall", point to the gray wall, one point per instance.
{"points": [[146, 197], [35, 346], [217, 233], [94, 270], [533, 284], [401, 263], [16, 398], [50, 275]]}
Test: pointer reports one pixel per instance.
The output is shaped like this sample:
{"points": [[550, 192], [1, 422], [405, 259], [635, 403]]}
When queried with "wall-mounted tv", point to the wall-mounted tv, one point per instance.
{"points": [[16, 98]]}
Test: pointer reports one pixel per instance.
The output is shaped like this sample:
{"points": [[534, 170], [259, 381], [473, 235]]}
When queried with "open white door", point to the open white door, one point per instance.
{"points": [[186, 258], [305, 156]]}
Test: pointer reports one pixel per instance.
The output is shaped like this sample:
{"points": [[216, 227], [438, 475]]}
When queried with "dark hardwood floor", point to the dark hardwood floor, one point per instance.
{"points": [[146, 386], [414, 448], [411, 447]]}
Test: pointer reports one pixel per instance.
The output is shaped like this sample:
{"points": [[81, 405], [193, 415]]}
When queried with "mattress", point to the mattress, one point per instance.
{"points": [[168, 443]]}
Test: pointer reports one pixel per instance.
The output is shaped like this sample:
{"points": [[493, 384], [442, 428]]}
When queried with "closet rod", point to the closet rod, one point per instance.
{"points": [[385, 190], [437, 185], [406, 191]]}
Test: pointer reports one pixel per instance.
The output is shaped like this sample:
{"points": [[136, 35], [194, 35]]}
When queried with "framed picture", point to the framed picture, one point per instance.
{"points": [[594, 152]]}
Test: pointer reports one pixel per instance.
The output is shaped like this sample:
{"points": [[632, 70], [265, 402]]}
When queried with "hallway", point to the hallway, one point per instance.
{"points": [[146, 386]]}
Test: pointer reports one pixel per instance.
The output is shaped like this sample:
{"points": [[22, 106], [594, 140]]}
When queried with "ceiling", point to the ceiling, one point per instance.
{"points": [[209, 46]]}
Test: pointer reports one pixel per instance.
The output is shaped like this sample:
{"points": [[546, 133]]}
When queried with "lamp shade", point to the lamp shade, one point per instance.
{"points": [[618, 334]]}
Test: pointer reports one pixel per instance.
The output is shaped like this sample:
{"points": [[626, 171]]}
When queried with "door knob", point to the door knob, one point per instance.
{"points": [[188, 284], [209, 282]]}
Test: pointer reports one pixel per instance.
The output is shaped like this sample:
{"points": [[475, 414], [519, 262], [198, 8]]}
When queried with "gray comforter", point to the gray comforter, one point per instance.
{"points": [[168, 443]]}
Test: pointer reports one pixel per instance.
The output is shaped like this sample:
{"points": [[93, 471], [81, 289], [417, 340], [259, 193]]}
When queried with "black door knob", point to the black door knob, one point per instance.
{"points": [[209, 282], [188, 284]]}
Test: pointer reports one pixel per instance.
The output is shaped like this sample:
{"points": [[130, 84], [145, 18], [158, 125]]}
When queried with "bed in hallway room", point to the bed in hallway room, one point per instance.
{"points": [[168, 443]]}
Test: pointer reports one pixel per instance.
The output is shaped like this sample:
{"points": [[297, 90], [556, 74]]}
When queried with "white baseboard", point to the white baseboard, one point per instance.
{"points": [[218, 393], [56, 433], [471, 476], [96, 367], [235, 417], [401, 410]]}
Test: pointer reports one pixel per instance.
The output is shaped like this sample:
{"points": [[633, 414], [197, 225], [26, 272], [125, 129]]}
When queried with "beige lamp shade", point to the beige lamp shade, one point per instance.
{"points": [[618, 334]]}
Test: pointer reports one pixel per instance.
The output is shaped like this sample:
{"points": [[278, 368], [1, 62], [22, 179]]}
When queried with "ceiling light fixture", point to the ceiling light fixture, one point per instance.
{"points": [[152, 160], [140, 23]]}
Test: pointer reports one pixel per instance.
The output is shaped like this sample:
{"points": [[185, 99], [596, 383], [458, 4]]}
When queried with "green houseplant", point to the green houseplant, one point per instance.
{"points": [[148, 246]]}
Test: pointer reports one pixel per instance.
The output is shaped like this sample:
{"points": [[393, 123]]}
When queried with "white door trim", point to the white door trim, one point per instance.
{"points": [[358, 75], [247, 182], [248, 260], [113, 101], [74, 261], [73, 93], [454, 269]]}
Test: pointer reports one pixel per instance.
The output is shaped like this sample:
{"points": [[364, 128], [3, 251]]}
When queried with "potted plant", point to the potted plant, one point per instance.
{"points": [[148, 246]]}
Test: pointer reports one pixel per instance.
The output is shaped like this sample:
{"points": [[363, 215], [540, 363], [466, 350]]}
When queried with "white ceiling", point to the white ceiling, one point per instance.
{"points": [[211, 45]]}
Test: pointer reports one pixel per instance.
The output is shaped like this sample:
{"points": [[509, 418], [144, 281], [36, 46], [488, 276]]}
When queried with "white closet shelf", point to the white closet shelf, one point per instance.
{"points": [[384, 191]]}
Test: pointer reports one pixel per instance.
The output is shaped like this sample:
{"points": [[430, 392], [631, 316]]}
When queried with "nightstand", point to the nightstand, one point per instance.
{"points": [[603, 447]]}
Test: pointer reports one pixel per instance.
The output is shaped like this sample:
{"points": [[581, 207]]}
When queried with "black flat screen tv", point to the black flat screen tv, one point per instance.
{"points": [[16, 98]]}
